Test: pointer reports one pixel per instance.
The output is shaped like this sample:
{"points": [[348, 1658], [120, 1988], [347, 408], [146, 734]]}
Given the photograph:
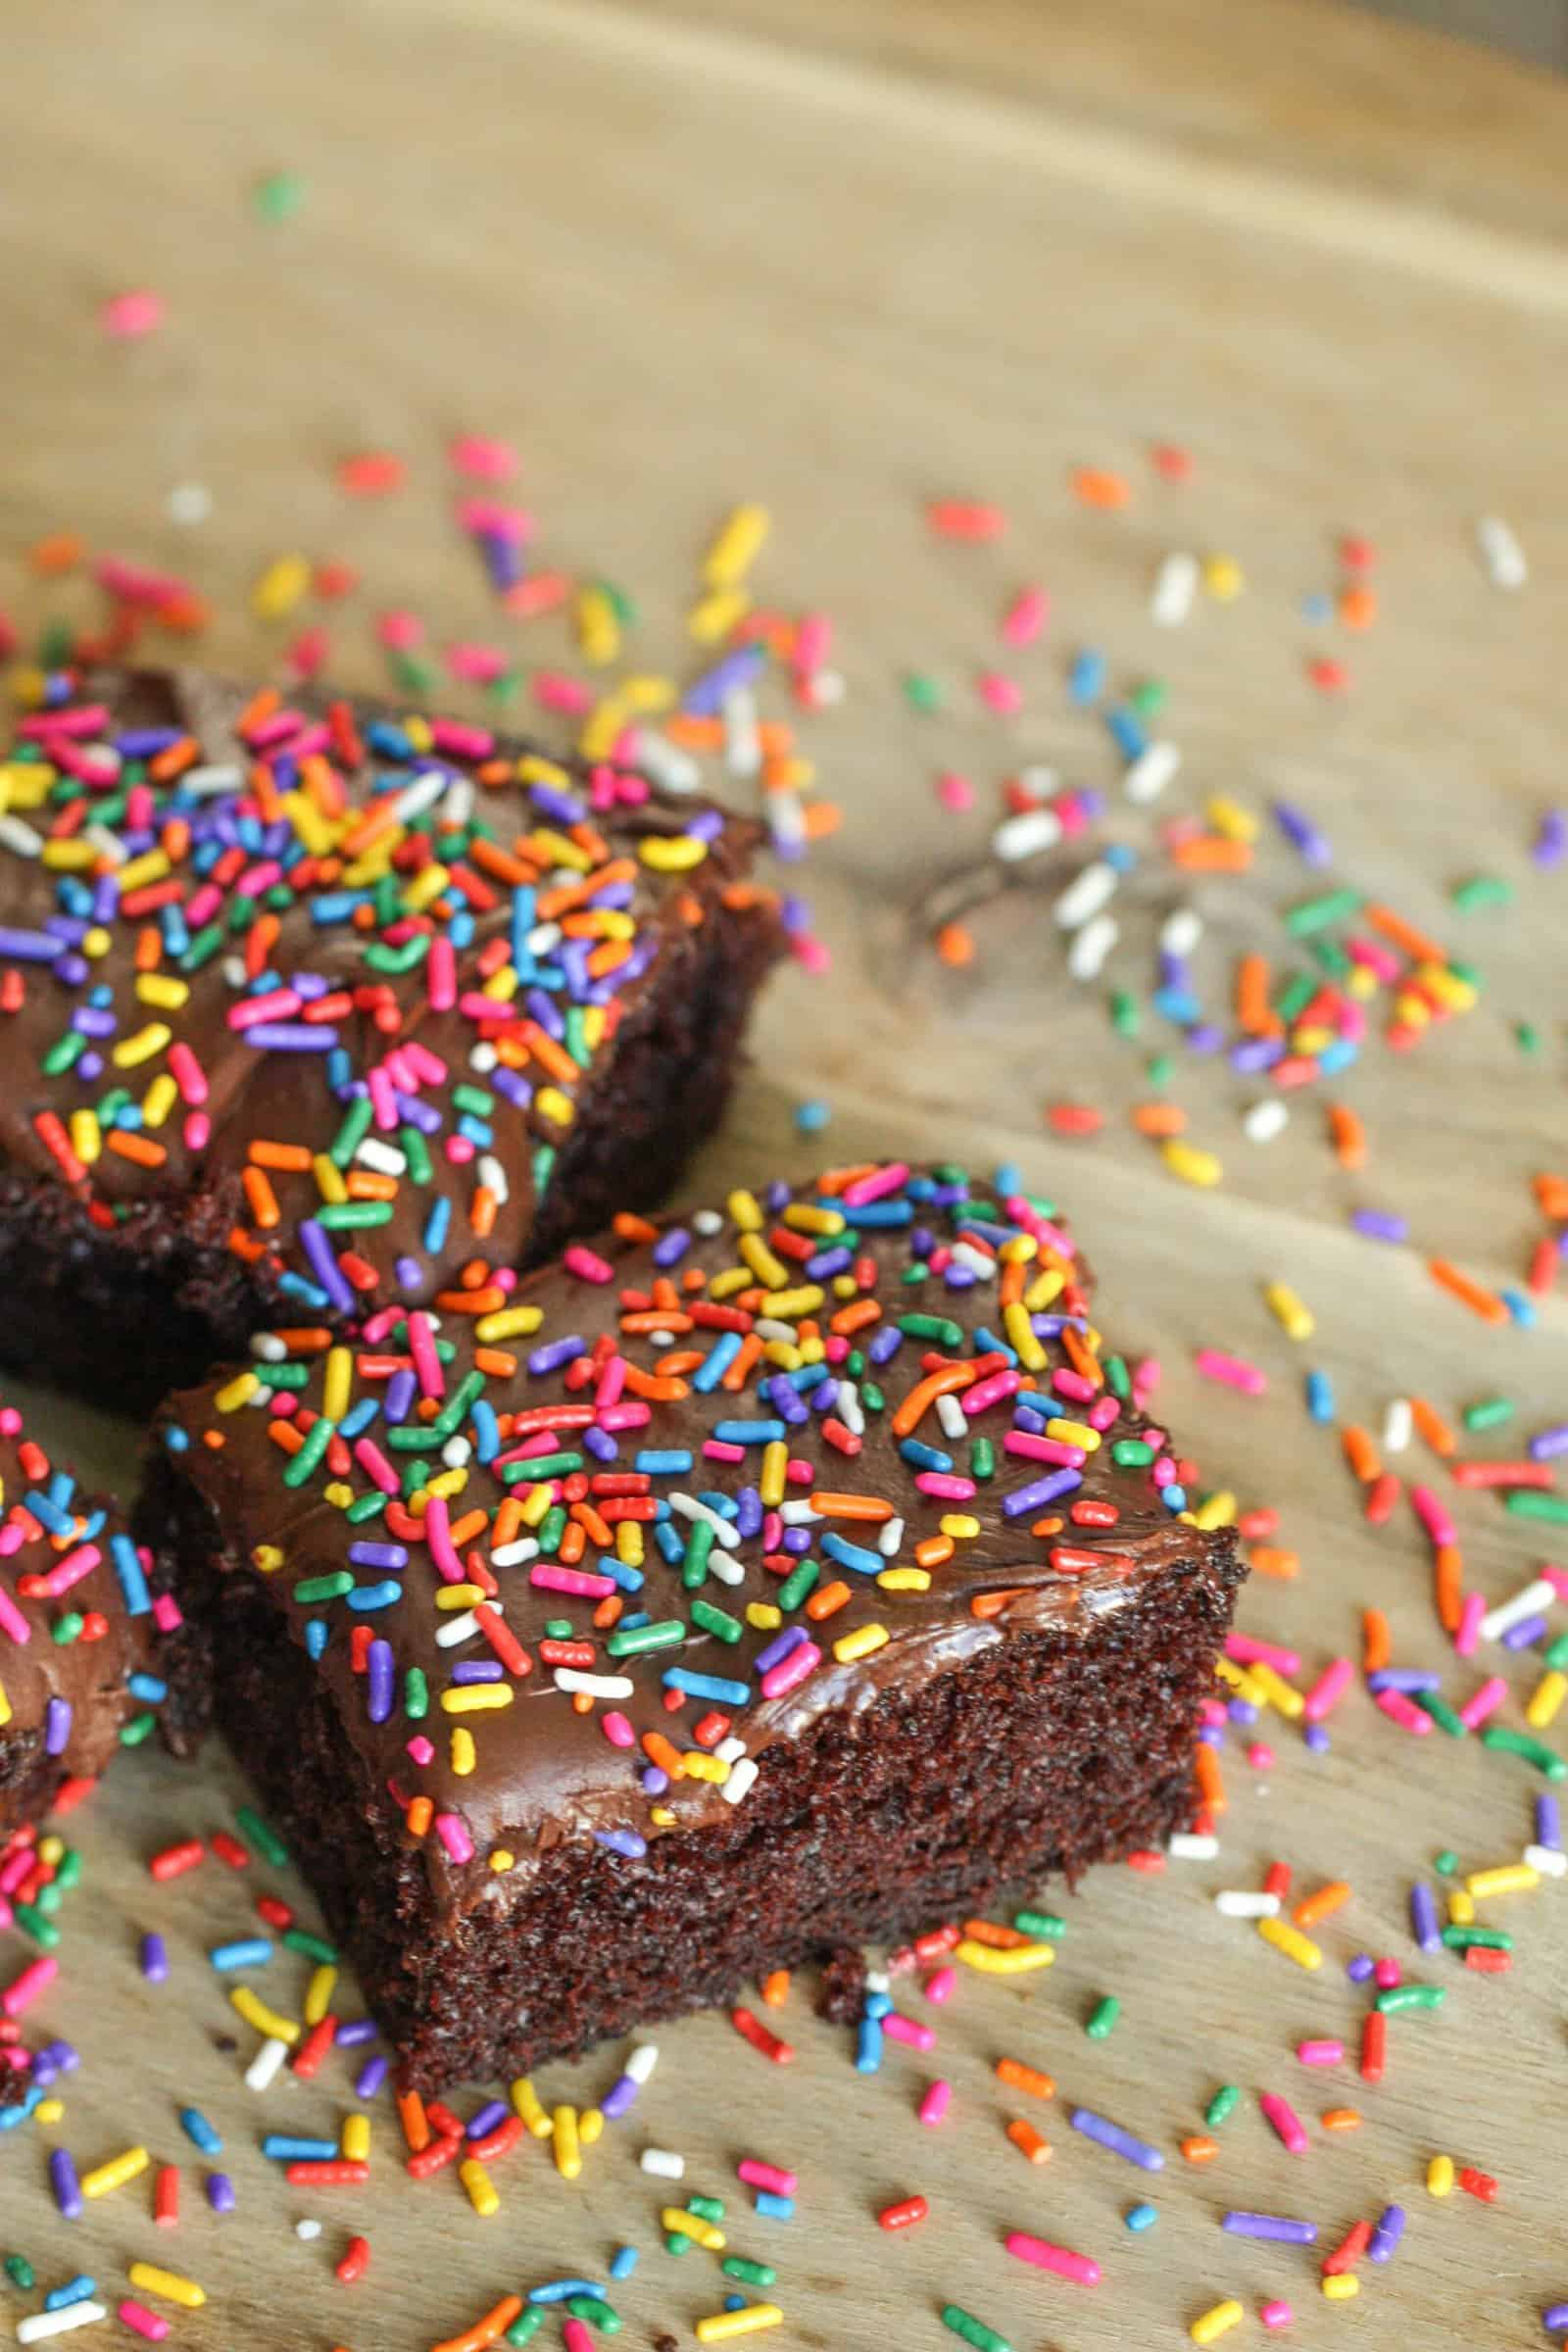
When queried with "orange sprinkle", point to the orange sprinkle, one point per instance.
{"points": [[1480, 1301], [1210, 1780], [1253, 1010], [137, 1148], [852, 1506], [1198, 2148], [932, 1551], [1341, 2119], [1447, 1582], [1433, 1427], [483, 2332], [1027, 2140], [483, 1209], [1349, 1136], [1361, 1453], [420, 1815], [1213, 854], [1019, 2077], [1416, 943], [776, 1987], [1358, 607], [412, 2116], [658, 1751], [1269, 1559], [1159, 1118], [283, 1159], [954, 944], [262, 1198], [1551, 1191], [925, 1392], [63, 551], [992, 1604], [1323, 1904], [1096, 486], [827, 1600], [995, 1934], [1376, 1642], [1075, 1119]]}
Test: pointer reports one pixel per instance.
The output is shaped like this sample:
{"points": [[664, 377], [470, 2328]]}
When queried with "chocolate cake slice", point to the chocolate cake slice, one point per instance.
{"points": [[305, 1003], [89, 1637], [735, 1588]]}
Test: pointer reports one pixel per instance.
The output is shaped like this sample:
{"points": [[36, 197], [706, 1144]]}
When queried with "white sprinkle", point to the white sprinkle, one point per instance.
{"points": [[113, 851], [826, 688], [382, 1158], [423, 793], [850, 1409], [1188, 1845], [456, 1453], [728, 1570], [1085, 895], [1091, 946], [730, 1750], [1397, 1423], [483, 1058], [798, 1513], [1528, 1601], [1040, 780], [543, 938], [787, 820], [453, 1629], [1550, 1860], [264, 2067], [950, 1414], [768, 1327], [664, 2164], [189, 503], [1175, 586], [1265, 1121], [1151, 772], [641, 2060], [308, 2229], [877, 1980], [20, 837], [1239, 1902], [708, 1221], [690, 1507], [965, 1254], [743, 742], [235, 975], [493, 1176], [1181, 931], [597, 1686], [741, 1777], [512, 1555], [268, 1347], [45, 2324], [889, 1538], [671, 768], [1501, 552], [219, 777], [1024, 836], [457, 806]]}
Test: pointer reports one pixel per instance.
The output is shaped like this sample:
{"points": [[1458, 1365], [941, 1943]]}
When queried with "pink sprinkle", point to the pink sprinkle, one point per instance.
{"points": [[575, 2336], [880, 1181], [1483, 1702], [1251, 1651], [758, 2175], [1000, 694], [309, 653], [1044, 1450], [421, 1750], [476, 665], [552, 689], [1060, 2259], [28, 1985], [1432, 1515], [944, 1486], [11, 1621], [789, 1671], [934, 2106], [1276, 2314], [131, 315], [1557, 1578], [1467, 1634], [1231, 1371], [453, 1836], [941, 1984], [463, 742], [588, 1265], [496, 521], [616, 1730], [400, 632], [1328, 1691], [909, 2030], [1260, 1755], [1387, 1974], [141, 2321], [989, 1392], [1101, 1415], [1026, 616], [1320, 2053], [955, 791], [1399, 1710], [438, 1538], [1284, 2120], [485, 459], [547, 1576]]}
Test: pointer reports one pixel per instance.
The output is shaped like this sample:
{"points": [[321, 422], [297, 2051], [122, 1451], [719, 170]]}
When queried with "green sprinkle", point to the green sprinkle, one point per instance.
{"points": [[1527, 1503], [921, 691], [707, 2209], [133, 1732], [1486, 1940], [259, 1836], [799, 1581], [318, 1438], [19, 2270], [1222, 2105], [353, 1216], [32, 1922], [415, 1694], [526, 2326], [973, 2332], [982, 1460], [1104, 2018], [589, 2307], [1150, 696], [557, 1629], [1446, 1863], [872, 1396], [279, 195], [353, 1132], [1557, 1656], [674, 2243], [752, 2274], [640, 1638], [1533, 1752], [416, 1152], [1117, 1377], [1441, 1714], [1483, 890], [538, 1466], [1316, 915], [1527, 1037], [699, 1545], [1296, 996], [312, 1588], [1047, 1924], [1158, 1068], [67, 1629], [1489, 1412], [1329, 956], [315, 1947], [939, 1328], [716, 1621], [1411, 1997], [1131, 1453], [1126, 1018], [68, 1873]]}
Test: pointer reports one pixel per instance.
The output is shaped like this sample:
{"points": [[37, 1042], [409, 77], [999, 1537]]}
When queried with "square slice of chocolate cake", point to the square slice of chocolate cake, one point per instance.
{"points": [[306, 1003], [736, 1588]]}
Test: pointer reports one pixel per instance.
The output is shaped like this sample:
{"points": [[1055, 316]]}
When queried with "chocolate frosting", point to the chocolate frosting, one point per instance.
{"points": [[541, 1771]]}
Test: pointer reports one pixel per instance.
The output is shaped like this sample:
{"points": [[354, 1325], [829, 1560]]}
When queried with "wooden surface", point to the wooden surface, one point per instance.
{"points": [[845, 259]]}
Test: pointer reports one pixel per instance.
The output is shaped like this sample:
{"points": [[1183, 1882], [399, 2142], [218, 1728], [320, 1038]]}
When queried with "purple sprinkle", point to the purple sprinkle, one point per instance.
{"points": [[705, 698], [1551, 838], [381, 1679], [401, 1391], [619, 2098], [1406, 1679], [1206, 1037], [601, 1445], [1361, 1967], [1547, 1443], [1257, 1054], [153, 1959], [654, 1780], [1380, 1225], [56, 1726], [625, 1843], [290, 1037], [1388, 2234], [1554, 2319], [1039, 1493], [671, 1246], [318, 1247], [490, 2115], [1316, 1737], [220, 2193], [780, 1648], [1549, 1825], [370, 2077], [1301, 832], [478, 1670], [556, 1356], [1424, 1919], [1525, 1634], [63, 2181], [1271, 2225], [354, 2030]]}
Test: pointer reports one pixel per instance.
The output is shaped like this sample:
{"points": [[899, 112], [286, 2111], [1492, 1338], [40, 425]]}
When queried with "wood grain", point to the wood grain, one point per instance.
{"points": [[844, 260]]}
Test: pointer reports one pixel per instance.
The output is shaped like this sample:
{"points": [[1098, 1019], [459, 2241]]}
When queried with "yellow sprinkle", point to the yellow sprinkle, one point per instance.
{"points": [[1021, 1338], [763, 1616], [1215, 2322], [801, 1217], [236, 1391], [962, 1526], [1458, 993], [722, 2325], [328, 1178], [115, 2174], [1281, 1695], [319, 1994], [661, 1816], [712, 618], [647, 694], [475, 1698], [732, 1279], [555, 1106], [526, 2105], [268, 1557], [770, 1476], [603, 728], [49, 2111], [169, 2283], [564, 2131], [536, 1504], [629, 1550], [681, 2224], [86, 1136], [1440, 2177], [5, 1705], [51, 1850], [1282, 1303], [426, 886], [503, 985], [1508, 1878], [1360, 983], [463, 1753], [459, 1597], [161, 989], [508, 1323], [1239, 1681], [535, 768], [1015, 1960], [1291, 1941], [502, 1858], [769, 1270], [132, 1051], [671, 852], [736, 545], [354, 2139], [700, 1766], [1545, 1699], [1229, 817], [860, 1643], [788, 1304], [483, 2194], [1047, 1285], [138, 872], [1191, 1164], [69, 855], [1462, 1910], [905, 1580], [1074, 1433], [337, 1382], [159, 1100], [591, 2125], [597, 625], [1341, 2286], [266, 2020], [281, 585], [1223, 578], [1218, 1510]]}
